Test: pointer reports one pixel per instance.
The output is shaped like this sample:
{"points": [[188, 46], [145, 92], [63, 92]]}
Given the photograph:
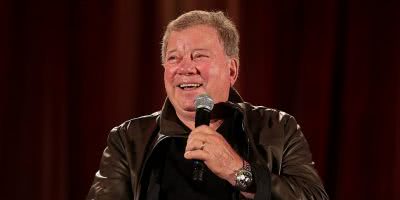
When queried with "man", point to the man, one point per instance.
{"points": [[249, 152]]}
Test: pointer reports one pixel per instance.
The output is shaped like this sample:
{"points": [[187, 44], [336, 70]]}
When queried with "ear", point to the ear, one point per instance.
{"points": [[233, 70]]}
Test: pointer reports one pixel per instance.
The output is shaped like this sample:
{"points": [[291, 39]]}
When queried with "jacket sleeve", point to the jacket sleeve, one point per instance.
{"points": [[297, 177], [112, 180]]}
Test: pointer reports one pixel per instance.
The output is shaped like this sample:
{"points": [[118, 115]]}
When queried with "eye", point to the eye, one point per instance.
{"points": [[171, 58], [199, 55]]}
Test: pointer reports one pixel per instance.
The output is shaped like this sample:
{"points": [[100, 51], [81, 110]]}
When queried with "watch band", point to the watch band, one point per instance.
{"points": [[246, 166]]}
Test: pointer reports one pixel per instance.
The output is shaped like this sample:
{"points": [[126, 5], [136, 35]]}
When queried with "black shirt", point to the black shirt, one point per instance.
{"points": [[176, 174]]}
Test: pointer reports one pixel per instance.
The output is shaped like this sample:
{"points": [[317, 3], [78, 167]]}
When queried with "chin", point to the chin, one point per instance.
{"points": [[186, 102], [183, 105], [185, 111], [188, 107]]}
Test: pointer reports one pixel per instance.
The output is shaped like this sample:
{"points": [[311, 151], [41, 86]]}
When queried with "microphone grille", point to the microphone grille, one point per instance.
{"points": [[204, 101]]}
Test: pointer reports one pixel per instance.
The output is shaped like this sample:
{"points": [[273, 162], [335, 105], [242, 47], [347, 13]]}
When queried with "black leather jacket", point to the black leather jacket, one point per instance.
{"points": [[280, 156]]}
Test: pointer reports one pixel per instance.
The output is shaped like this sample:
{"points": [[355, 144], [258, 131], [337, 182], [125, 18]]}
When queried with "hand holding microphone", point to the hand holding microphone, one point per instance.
{"points": [[209, 148]]}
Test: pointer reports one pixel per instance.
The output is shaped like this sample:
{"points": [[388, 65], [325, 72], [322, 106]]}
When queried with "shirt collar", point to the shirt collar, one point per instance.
{"points": [[170, 124]]}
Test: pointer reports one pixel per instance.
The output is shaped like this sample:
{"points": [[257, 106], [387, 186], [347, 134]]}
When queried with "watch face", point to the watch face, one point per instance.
{"points": [[244, 178]]}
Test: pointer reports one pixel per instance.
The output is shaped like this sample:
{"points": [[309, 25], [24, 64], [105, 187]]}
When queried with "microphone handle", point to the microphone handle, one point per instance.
{"points": [[202, 118], [198, 171]]}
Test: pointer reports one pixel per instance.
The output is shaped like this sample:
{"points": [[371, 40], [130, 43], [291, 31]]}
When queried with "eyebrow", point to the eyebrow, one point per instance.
{"points": [[171, 51], [175, 50], [200, 49]]}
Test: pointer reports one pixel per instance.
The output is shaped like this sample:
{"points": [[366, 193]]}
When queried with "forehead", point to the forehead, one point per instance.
{"points": [[198, 36]]}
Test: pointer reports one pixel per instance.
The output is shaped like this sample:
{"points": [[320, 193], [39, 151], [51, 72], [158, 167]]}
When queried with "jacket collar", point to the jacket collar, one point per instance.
{"points": [[170, 124]]}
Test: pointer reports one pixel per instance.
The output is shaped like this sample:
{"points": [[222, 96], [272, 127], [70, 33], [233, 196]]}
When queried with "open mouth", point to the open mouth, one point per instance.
{"points": [[188, 86]]}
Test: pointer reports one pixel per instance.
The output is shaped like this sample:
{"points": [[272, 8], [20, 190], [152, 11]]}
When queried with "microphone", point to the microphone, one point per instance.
{"points": [[204, 104]]}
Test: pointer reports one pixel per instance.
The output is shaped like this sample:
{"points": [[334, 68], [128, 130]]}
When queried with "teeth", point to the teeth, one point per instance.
{"points": [[189, 85]]}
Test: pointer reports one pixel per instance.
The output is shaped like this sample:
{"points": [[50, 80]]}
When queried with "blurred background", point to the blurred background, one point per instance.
{"points": [[70, 70]]}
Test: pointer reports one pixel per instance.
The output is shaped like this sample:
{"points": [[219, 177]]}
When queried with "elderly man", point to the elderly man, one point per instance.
{"points": [[248, 151]]}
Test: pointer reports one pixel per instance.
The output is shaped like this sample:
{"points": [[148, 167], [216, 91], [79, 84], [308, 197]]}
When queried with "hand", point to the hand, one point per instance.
{"points": [[211, 147]]}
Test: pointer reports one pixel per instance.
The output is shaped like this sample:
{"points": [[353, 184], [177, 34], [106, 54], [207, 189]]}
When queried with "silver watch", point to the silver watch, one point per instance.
{"points": [[244, 177]]}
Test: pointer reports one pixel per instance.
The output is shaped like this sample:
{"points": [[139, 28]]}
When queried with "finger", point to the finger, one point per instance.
{"points": [[197, 136], [194, 144], [203, 129], [205, 134], [197, 155]]}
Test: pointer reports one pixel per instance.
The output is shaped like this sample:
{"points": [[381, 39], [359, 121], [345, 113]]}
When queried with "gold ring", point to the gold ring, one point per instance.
{"points": [[202, 146]]}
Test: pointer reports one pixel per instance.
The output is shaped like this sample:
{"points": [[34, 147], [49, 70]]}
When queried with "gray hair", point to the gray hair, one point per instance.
{"points": [[226, 29]]}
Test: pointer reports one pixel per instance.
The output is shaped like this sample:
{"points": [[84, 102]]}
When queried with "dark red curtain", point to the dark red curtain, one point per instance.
{"points": [[70, 70]]}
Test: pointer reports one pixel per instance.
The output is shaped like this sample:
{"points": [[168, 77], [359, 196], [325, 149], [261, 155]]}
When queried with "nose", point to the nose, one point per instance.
{"points": [[187, 66]]}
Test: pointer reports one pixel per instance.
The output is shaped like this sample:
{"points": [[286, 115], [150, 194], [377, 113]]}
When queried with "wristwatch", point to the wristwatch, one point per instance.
{"points": [[244, 177]]}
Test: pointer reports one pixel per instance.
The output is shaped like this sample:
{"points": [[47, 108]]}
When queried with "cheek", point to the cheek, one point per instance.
{"points": [[219, 73], [165, 76], [207, 70], [168, 82], [168, 75]]}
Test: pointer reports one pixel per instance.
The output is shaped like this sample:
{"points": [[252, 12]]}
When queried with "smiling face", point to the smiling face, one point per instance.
{"points": [[196, 63]]}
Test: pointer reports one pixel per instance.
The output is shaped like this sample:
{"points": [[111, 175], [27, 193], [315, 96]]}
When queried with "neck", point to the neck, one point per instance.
{"points": [[188, 120]]}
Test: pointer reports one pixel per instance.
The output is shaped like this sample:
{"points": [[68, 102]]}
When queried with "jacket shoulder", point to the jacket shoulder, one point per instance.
{"points": [[270, 126], [270, 115], [136, 126]]}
